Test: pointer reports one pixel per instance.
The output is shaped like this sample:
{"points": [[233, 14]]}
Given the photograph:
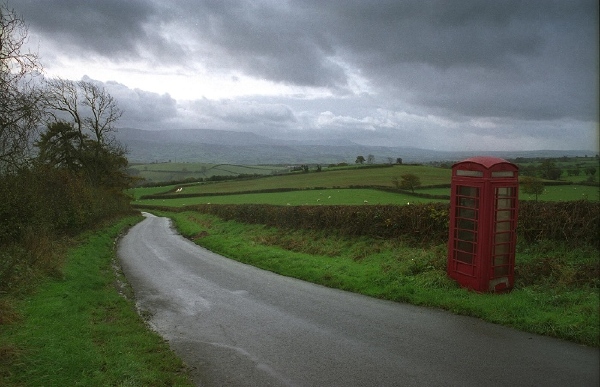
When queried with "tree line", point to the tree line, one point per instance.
{"points": [[61, 168]]}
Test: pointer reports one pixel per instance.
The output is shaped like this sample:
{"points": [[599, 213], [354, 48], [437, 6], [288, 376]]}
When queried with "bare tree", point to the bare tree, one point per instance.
{"points": [[90, 108], [87, 112], [20, 100]]}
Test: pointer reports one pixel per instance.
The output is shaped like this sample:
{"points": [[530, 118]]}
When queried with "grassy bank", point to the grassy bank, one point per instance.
{"points": [[551, 296], [79, 329]]}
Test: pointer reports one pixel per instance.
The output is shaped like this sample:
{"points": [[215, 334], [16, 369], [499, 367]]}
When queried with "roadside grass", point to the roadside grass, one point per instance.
{"points": [[79, 329], [295, 198], [554, 302]]}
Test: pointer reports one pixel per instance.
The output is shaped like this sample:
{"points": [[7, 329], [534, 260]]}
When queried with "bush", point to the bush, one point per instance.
{"points": [[573, 222], [41, 205]]}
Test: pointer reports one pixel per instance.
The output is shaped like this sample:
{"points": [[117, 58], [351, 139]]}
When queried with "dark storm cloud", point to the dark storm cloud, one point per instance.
{"points": [[486, 58], [140, 108], [526, 61], [115, 29], [412, 47], [532, 60]]}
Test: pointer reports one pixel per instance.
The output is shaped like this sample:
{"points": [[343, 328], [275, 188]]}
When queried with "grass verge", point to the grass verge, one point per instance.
{"points": [[553, 301], [79, 329]]}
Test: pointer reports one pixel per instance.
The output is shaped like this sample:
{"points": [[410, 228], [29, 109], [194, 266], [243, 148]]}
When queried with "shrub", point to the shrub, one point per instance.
{"points": [[40, 205], [573, 222]]}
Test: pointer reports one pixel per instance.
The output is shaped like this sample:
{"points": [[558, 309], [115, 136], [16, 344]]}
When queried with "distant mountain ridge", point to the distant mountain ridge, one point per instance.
{"points": [[231, 147], [200, 136]]}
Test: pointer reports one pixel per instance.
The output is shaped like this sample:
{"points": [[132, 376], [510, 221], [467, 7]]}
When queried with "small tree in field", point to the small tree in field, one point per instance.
{"points": [[360, 160], [532, 186], [410, 181]]}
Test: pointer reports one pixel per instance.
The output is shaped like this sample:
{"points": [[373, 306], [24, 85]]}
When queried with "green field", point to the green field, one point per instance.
{"points": [[164, 172], [559, 300], [331, 184], [336, 178], [297, 198], [551, 193]]}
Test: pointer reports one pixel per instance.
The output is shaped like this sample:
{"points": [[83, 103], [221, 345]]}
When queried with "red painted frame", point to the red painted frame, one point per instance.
{"points": [[483, 222]]}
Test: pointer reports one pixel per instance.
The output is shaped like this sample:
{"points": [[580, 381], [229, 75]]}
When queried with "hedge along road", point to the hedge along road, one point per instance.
{"points": [[235, 325]]}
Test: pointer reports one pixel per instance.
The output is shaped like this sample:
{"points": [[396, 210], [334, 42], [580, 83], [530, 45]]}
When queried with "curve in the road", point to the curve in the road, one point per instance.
{"points": [[236, 325]]}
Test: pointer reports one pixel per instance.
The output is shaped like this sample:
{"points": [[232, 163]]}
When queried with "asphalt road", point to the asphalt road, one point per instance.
{"points": [[236, 325]]}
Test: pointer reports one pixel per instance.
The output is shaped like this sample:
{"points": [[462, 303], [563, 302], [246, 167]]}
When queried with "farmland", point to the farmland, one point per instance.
{"points": [[164, 172], [296, 198], [331, 186], [322, 226]]}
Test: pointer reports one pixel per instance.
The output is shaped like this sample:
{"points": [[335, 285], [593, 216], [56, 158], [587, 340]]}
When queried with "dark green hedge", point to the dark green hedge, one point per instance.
{"points": [[574, 222]]}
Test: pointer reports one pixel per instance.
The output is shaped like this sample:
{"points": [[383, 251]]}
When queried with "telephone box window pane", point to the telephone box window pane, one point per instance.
{"points": [[503, 215], [501, 260], [501, 249], [467, 224], [500, 271], [468, 191], [465, 246], [465, 235], [505, 203], [500, 265], [464, 257], [467, 202], [466, 213], [502, 237], [503, 226], [505, 191], [503, 174], [462, 172]]}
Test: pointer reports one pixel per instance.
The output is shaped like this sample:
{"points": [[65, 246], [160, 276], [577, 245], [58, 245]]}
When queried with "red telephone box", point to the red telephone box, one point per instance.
{"points": [[483, 222]]}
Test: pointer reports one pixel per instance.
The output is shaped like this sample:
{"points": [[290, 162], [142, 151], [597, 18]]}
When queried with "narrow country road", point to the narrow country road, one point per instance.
{"points": [[236, 325]]}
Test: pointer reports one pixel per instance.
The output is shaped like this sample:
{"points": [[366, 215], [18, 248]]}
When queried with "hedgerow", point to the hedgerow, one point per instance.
{"points": [[40, 206], [573, 222]]}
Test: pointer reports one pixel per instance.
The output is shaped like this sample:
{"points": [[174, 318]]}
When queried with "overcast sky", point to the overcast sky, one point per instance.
{"points": [[448, 75]]}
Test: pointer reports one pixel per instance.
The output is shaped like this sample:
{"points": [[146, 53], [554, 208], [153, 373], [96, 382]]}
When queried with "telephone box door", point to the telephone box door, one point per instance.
{"points": [[504, 237], [465, 242]]}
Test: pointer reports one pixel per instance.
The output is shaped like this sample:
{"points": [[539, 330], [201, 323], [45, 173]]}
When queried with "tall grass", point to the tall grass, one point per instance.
{"points": [[78, 330], [555, 302]]}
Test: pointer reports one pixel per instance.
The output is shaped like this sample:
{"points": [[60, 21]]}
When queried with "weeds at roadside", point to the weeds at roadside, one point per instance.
{"points": [[78, 330]]}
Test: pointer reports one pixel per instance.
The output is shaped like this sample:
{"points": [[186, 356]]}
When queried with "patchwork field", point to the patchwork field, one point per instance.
{"points": [[331, 187]]}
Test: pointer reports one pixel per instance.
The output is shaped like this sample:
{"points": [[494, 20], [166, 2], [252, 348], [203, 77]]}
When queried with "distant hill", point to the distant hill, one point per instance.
{"points": [[230, 147]]}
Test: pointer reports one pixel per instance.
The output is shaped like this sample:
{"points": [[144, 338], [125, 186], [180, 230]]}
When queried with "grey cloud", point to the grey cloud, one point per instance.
{"points": [[236, 113], [520, 61], [273, 40], [110, 28], [142, 109]]}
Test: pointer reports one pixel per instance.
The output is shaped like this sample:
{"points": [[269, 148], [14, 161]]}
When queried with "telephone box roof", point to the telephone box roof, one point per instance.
{"points": [[485, 161]]}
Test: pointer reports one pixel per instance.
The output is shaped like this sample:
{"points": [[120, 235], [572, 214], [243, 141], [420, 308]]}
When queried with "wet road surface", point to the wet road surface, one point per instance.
{"points": [[236, 325]]}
